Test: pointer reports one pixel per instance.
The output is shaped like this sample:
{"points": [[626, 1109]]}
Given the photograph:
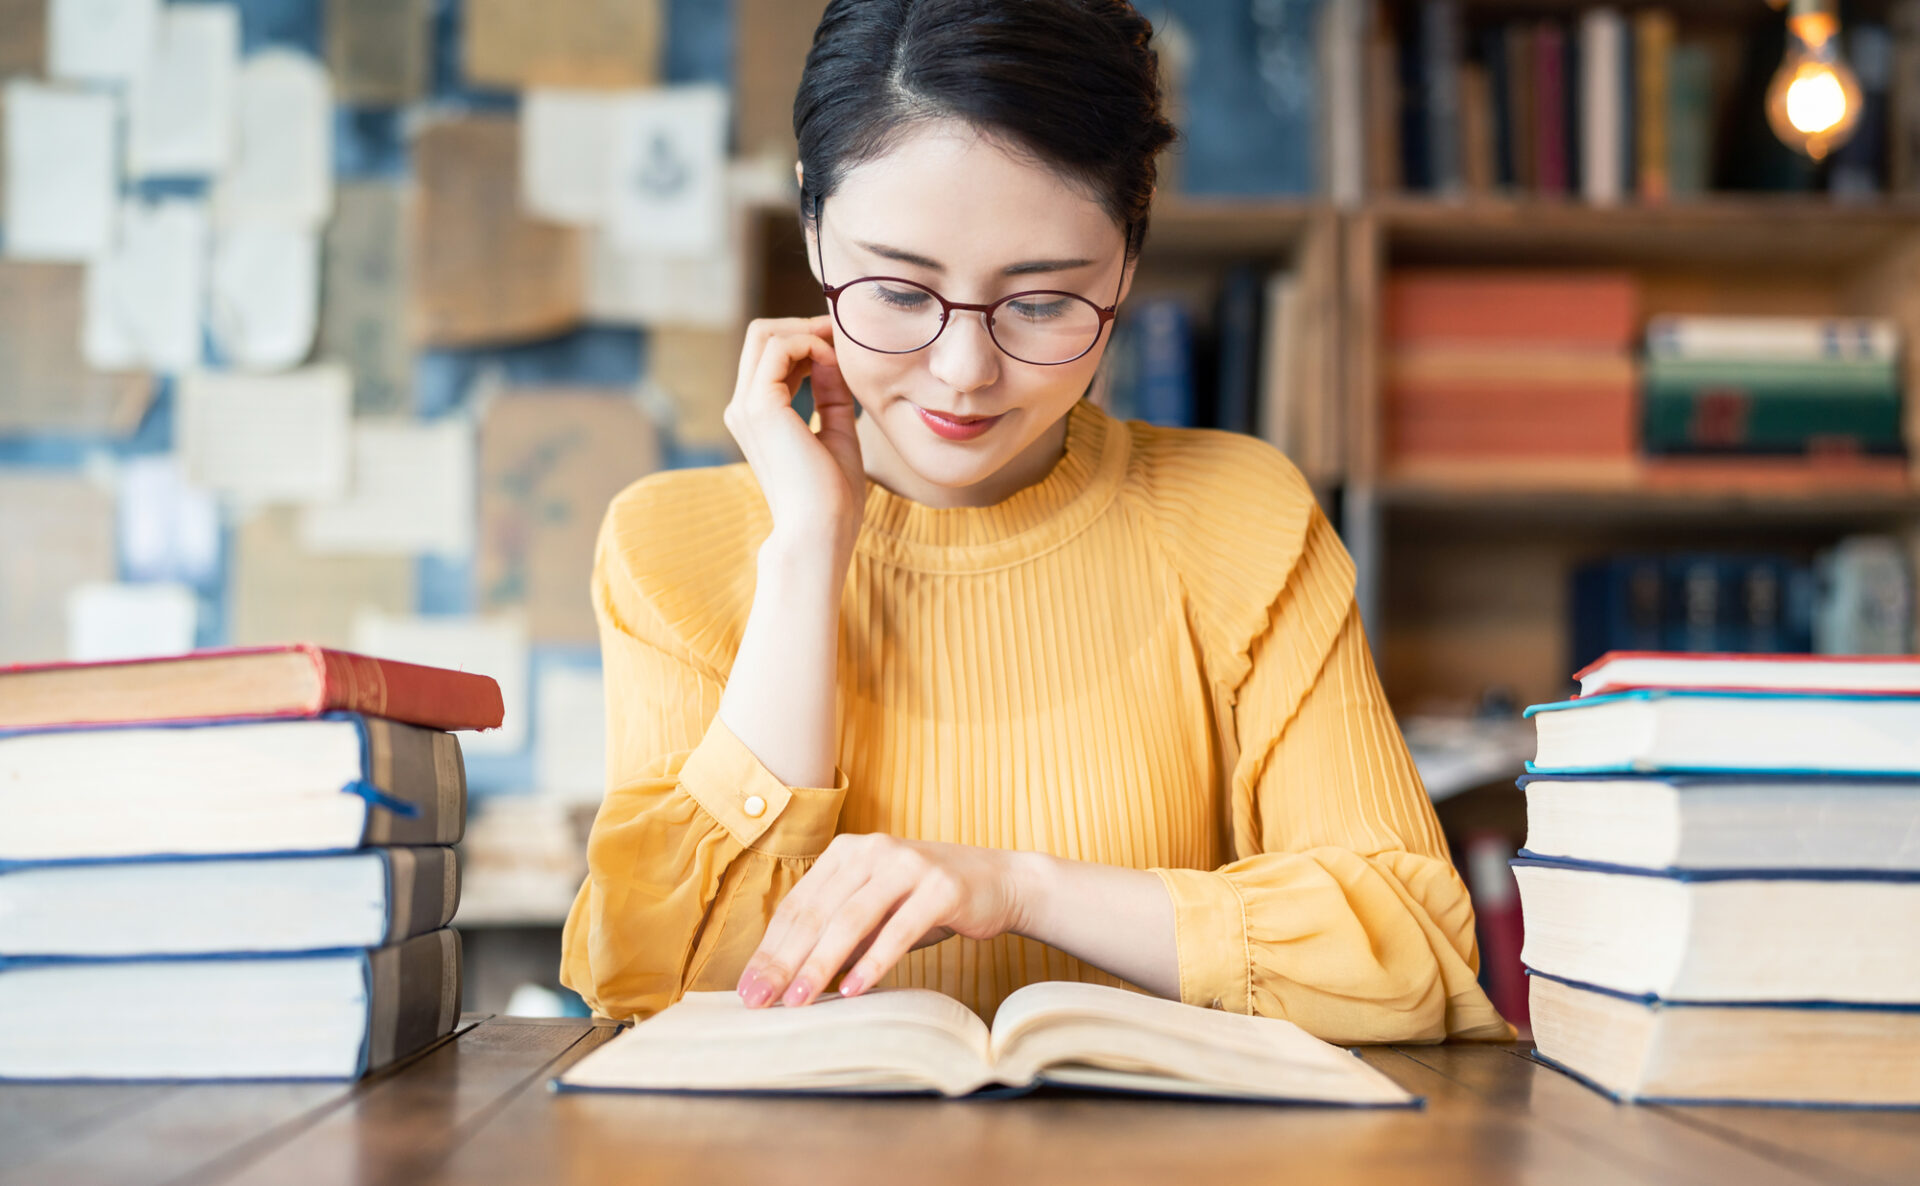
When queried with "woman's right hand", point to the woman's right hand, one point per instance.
{"points": [[814, 483]]}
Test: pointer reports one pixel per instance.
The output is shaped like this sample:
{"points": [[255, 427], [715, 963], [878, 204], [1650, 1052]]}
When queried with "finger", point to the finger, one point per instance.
{"points": [[793, 931], [761, 329], [786, 360], [916, 916], [832, 398], [862, 914]]}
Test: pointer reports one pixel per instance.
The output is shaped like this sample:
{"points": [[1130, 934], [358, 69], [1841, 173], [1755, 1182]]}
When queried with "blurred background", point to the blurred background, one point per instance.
{"points": [[341, 321]]}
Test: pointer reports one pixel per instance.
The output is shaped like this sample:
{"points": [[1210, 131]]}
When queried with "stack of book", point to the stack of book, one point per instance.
{"points": [[1496, 369], [1794, 386], [1721, 883], [230, 865]]}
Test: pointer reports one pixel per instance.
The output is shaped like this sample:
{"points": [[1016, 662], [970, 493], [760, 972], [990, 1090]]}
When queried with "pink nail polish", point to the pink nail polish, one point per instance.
{"points": [[755, 990], [851, 984], [797, 993]]}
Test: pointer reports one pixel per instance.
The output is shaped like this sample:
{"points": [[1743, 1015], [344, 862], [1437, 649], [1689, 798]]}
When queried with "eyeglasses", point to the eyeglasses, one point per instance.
{"points": [[894, 315]]}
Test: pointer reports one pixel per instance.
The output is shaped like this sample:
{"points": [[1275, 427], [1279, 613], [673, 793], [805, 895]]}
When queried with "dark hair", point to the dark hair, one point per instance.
{"points": [[1070, 82]]}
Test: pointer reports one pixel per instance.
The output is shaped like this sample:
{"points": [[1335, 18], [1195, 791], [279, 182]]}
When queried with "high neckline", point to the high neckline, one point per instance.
{"points": [[897, 530]]}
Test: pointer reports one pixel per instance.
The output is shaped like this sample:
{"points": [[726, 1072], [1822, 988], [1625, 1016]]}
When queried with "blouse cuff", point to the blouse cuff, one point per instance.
{"points": [[1210, 937], [753, 805]]}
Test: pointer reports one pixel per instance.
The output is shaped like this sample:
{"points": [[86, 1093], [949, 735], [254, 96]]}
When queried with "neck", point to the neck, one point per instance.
{"points": [[885, 467]]}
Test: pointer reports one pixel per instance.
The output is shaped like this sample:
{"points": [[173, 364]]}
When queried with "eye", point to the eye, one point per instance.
{"points": [[1039, 309], [909, 299]]}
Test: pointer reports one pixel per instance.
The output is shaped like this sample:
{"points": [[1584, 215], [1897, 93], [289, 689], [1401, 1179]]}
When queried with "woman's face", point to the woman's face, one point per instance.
{"points": [[950, 209]]}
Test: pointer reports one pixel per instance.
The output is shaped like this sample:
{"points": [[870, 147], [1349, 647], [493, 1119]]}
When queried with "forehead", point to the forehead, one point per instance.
{"points": [[956, 195]]}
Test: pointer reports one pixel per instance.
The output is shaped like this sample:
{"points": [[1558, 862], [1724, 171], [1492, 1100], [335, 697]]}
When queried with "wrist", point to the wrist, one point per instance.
{"points": [[1030, 878], [802, 554]]}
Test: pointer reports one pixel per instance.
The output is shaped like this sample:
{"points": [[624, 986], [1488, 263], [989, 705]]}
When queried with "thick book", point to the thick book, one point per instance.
{"points": [[1726, 821], [327, 1015], [1883, 675], [370, 898], [1655, 729], [1648, 1050], [1537, 307], [1772, 406], [1724, 934], [285, 681], [1787, 339], [264, 786], [917, 1041]]}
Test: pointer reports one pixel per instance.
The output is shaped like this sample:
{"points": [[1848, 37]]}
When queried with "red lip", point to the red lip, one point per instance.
{"points": [[949, 428]]}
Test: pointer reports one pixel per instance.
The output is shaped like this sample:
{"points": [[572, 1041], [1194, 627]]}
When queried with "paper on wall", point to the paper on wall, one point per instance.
{"points": [[577, 43], [169, 528], [61, 183], [377, 50], [667, 171], [111, 620], [695, 369], [363, 307], [565, 136], [144, 299], [56, 531], [570, 732], [264, 303], [100, 40], [494, 645], [45, 385], [411, 491], [264, 438], [180, 104], [281, 171], [23, 37], [280, 592]]}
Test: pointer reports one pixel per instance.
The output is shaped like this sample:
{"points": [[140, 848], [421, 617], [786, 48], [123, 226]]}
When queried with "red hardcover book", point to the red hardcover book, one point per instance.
{"points": [[1536, 307], [1817, 675], [1550, 108], [298, 680]]}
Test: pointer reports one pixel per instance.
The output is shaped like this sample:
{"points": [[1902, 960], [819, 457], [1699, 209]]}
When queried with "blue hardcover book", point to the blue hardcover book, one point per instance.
{"points": [[1726, 821], [321, 1015], [1801, 936], [1701, 732], [329, 783], [1618, 605], [1642, 1048], [1252, 95], [220, 905], [1164, 391]]}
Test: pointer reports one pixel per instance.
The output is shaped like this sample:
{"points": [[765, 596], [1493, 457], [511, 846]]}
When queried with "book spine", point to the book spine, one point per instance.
{"points": [[427, 696], [423, 890], [1903, 99], [421, 768], [1550, 107], [1441, 44], [1239, 318], [1493, 52], [1802, 339], [1860, 165], [1700, 606], [1343, 34], [1727, 417], [1689, 121], [1559, 309], [413, 996], [1653, 34], [1384, 174], [1600, 35], [1166, 392]]}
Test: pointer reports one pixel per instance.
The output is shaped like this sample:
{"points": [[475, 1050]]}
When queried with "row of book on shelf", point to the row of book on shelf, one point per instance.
{"points": [[1612, 104], [1553, 369], [1720, 887], [231, 864]]}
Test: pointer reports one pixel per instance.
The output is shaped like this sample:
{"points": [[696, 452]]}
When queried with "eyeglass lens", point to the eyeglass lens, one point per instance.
{"points": [[898, 317]]}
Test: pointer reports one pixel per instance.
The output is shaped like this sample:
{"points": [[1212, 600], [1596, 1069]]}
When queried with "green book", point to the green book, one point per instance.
{"points": [[1712, 405]]}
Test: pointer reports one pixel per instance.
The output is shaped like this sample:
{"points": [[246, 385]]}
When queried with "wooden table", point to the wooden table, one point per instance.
{"points": [[476, 1109]]}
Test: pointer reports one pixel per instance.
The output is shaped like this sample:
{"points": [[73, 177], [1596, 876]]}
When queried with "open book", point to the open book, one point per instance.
{"points": [[915, 1040]]}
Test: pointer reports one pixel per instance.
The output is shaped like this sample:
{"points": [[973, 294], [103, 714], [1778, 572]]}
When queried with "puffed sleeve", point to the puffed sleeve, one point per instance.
{"points": [[1342, 911], [696, 840]]}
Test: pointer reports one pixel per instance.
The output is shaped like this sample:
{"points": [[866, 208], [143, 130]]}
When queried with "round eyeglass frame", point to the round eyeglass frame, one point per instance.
{"points": [[832, 293]]}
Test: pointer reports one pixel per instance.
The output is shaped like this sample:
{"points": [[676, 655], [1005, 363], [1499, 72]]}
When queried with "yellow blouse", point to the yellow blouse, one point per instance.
{"points": [[1150, 658]]}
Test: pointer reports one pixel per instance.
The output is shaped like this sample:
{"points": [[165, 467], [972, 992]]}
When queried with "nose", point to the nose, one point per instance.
{"points": [[964, 356]]}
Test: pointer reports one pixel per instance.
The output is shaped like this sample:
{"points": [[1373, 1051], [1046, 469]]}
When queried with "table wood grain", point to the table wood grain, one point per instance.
{"points": [[477, 1109]]}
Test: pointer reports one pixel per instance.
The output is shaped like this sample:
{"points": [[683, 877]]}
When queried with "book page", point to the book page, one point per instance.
{"points": [[902, 1039], [180, 103], [1059, 1031], [61, 181], [282, 167]]}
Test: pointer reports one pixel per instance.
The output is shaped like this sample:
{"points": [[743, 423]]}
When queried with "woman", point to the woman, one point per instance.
{"points": [[982, 686]]}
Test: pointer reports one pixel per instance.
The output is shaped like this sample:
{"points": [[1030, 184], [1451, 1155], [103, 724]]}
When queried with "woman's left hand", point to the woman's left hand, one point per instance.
{"points": [[868, 900]]}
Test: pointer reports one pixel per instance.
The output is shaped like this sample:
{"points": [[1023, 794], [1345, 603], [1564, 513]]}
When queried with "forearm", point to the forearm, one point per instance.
{"points": [[780, 695], [1119, 920]]}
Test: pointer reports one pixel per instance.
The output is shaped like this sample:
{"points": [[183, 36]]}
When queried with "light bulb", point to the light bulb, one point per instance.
{"points": [[1814, 99]]}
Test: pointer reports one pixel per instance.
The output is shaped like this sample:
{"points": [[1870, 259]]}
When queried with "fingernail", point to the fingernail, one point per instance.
{"points": [[851, 984], [797, 993], [755, 990]]}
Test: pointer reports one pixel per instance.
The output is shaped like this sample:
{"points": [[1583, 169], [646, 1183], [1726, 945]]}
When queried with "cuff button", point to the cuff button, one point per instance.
{"points": [[754, 806]]}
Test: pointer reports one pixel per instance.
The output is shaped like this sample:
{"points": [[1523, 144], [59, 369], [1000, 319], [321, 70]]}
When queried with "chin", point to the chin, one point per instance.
{"points": [[951, 463]]}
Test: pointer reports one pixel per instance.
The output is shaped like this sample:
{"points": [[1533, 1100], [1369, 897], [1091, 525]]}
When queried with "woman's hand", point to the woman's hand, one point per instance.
{"points": [[871, 899], [814, 483]]}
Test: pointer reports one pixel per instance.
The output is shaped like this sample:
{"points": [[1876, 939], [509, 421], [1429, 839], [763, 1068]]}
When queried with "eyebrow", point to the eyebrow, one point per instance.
{"points": [[1030, 267]]}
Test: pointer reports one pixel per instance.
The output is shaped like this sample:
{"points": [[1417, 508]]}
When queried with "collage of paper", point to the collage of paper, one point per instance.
{"points": [[342, 320]]}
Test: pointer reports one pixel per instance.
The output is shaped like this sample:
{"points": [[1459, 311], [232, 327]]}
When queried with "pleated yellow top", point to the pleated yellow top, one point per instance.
{"points": [[1150, 658]]}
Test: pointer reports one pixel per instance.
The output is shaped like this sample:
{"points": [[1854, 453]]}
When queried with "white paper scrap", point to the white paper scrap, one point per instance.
{"points": [[144, 300], [122, 621], [565, 137], [61, 183], [570, 733], [169, 528], [282, 166], [494, 646], [180, 103], [411, 490], [667, 170], [100, 40], [265, 301], [267, 438]]}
